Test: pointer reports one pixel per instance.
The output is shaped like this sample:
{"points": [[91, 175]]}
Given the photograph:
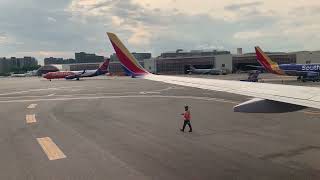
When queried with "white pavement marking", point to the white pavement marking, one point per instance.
{"points": [[37, 90], [119, 97], [51, 149], [223, 100], [80, 94], [150, 92], [31, 118], [32, 106], [32, 90], [312, 112]]}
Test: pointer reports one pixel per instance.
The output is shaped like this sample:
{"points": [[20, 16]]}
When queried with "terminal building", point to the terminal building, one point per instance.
{"points": [[179, 62]]}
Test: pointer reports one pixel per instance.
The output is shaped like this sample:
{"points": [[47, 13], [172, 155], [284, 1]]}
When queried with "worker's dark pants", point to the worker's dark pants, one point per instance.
{"points": [[187, 122]]}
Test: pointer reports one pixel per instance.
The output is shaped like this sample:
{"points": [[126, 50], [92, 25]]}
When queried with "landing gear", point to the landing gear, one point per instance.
{"points": [[78, 79]]}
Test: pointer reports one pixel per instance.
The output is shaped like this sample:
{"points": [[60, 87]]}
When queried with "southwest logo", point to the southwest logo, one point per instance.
{"points": [[310, 67]]}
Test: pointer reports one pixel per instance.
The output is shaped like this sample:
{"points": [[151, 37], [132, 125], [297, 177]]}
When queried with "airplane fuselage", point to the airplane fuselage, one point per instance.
{"points": [[303, 70], [72, 74]]}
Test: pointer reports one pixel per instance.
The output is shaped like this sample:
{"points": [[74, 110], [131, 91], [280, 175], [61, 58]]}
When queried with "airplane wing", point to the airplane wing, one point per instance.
{"points": [[267, 98]]}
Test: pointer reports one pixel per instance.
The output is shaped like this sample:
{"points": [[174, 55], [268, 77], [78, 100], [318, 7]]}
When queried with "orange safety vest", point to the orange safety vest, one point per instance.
{"points": [[187, 115]]}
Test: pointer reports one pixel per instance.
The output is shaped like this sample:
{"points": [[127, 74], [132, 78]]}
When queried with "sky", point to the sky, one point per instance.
{"points": [[44, 28]]}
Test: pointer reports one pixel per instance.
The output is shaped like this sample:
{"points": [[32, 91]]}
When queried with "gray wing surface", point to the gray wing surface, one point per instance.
{"points": [[285, 94]]}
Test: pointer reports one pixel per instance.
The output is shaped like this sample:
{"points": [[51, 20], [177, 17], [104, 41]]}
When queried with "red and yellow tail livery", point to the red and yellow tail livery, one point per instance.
{"points": [[126, 58], [267, 63]]}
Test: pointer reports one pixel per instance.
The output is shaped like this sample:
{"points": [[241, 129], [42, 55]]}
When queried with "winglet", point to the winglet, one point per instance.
{"points": [[267, 63], [126, 58]]}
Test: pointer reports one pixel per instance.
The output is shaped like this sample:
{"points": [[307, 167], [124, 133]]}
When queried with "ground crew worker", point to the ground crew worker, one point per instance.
{"points": [[187, 118]]}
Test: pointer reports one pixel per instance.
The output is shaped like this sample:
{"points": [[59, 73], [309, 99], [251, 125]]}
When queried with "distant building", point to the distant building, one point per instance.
{"points": [[139, 56], [80, 57], [83, 57], [9, 64], [52, 60], [307, 57], [181, 53], [80, 66], [239, 51]]}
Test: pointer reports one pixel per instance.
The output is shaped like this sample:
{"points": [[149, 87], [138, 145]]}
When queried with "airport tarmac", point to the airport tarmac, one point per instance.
{"points": [[124, 128]]}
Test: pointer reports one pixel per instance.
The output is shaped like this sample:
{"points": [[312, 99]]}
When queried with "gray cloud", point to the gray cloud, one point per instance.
{"points": [[51, 26], [236, 7]]}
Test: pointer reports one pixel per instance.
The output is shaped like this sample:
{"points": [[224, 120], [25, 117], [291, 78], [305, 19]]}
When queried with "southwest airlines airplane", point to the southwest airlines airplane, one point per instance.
{"points": [[267, 98], [103, 69], [303, 71]]}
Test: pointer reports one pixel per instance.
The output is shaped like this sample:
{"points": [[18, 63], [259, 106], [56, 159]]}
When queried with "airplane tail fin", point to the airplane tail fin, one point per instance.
{"points": [[103, 68], [105, 65], [126, 58], [266, 62]]}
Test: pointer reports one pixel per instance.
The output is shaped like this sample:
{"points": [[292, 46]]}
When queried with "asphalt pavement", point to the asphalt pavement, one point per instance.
{"points": [[124, 128]]}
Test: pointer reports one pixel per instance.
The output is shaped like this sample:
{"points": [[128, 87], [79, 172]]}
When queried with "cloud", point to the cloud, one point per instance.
{"points": [[140, 37], [235, 7], [116, 21], [4, 39], [51, 19], [156, 26], [248, 35]]}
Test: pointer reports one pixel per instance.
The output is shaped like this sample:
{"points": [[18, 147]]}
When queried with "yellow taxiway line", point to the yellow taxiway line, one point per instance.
{"points": [[51, 149]]}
